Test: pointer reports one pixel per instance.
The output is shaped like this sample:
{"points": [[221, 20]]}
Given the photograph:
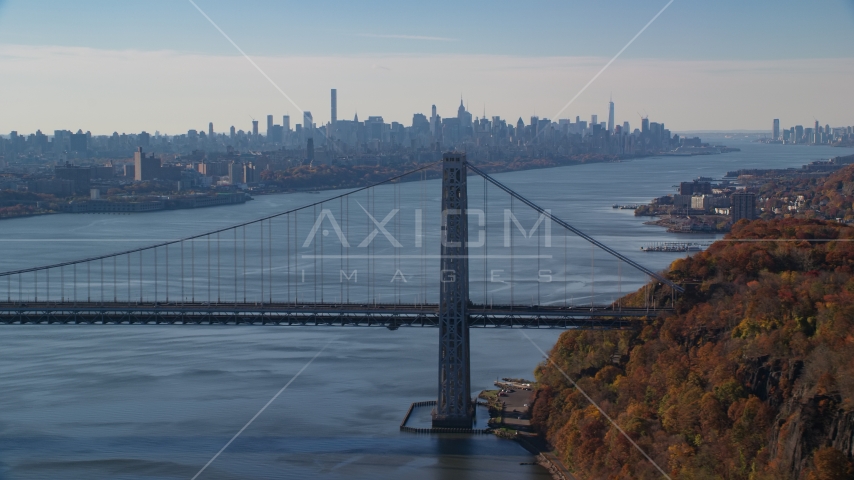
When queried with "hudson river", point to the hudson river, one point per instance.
{"points": [[157, 402]]}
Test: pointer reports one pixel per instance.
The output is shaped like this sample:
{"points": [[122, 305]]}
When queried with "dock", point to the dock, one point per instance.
{"points": [[673, 247]]}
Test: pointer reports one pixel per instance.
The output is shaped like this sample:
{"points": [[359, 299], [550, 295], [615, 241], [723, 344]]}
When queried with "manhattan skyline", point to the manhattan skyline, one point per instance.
{"points": [[79, 67]]}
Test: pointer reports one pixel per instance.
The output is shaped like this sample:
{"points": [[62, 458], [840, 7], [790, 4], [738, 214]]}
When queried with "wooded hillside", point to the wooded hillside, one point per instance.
{"points": [[751, 378]]}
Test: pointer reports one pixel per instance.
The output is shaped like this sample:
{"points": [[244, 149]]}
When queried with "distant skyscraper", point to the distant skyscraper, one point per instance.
{"points": [[611, 117], [307, 122], [626, 128], [269, 125], [594, 119], [231, 131], [254, 128], [775, 131], [464, 116], [334, 117], [210, 129], [286, 123], [433, 122]]}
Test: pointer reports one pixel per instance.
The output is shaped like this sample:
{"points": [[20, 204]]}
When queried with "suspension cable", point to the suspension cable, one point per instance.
{"points": [[574, 230], [224, 229]]}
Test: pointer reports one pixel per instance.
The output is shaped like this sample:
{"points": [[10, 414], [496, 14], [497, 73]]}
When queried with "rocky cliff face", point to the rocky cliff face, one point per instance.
{"points": [[808, 417], [805, 424]]}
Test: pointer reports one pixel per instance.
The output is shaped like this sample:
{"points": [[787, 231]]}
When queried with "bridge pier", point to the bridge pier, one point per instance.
{"points": [[454, 408]]}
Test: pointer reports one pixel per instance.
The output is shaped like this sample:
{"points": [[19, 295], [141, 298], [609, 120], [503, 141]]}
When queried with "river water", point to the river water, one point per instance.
{"points": [[158, 402]]}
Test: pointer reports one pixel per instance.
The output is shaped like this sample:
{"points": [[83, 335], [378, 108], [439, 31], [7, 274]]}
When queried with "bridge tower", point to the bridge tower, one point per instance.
{"points": [[454, 408]]}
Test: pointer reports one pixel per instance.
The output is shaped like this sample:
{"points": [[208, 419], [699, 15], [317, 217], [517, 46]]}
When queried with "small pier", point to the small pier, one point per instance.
{"points": [[673, 247]]}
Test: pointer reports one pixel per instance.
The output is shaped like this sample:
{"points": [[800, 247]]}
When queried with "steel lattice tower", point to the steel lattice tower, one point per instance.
{"points": [[454, 407]]}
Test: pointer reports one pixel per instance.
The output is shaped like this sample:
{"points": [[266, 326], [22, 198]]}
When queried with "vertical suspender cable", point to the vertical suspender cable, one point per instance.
{"points": [[115, 279], [288, 253], [399, 230], [538, 267], [373, 250], [244, 264], [261, 244], [314, 257], [368, 257], [102, 281], [592, 274], [341, 250], [193, 270], [396, 193], [155, 274], [218, 271], [422, 259], [296, 257], [166, 286], [620, 284], [347, 233], [209, 267], [512, 259], [270, 259], [234, 250], [183, 299]]}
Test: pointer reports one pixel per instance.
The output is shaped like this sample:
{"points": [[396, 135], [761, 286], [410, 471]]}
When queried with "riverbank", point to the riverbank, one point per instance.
{"points": [[510, 418], [705, 205]]}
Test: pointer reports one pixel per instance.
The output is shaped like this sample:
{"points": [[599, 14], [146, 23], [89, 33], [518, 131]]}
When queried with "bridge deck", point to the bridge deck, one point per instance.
{"points": [[380, 315]]}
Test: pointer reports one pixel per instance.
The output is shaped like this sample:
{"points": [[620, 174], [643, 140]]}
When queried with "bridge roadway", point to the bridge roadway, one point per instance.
{"points": [[391, 316]]}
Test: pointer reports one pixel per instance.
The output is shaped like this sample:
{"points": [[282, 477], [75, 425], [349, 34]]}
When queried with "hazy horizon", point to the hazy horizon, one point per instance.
{"points": [[161, 66]]}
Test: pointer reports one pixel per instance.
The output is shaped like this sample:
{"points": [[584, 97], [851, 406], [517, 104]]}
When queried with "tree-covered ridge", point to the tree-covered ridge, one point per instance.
{"points": [[751, 378]]}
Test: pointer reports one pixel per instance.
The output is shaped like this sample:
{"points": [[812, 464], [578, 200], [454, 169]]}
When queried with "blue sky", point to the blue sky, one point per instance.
{"points": [[737, 38]]}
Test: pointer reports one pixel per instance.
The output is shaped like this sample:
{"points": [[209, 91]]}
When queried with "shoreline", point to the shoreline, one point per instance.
{"points": [[491, 168], [509, 423]]}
